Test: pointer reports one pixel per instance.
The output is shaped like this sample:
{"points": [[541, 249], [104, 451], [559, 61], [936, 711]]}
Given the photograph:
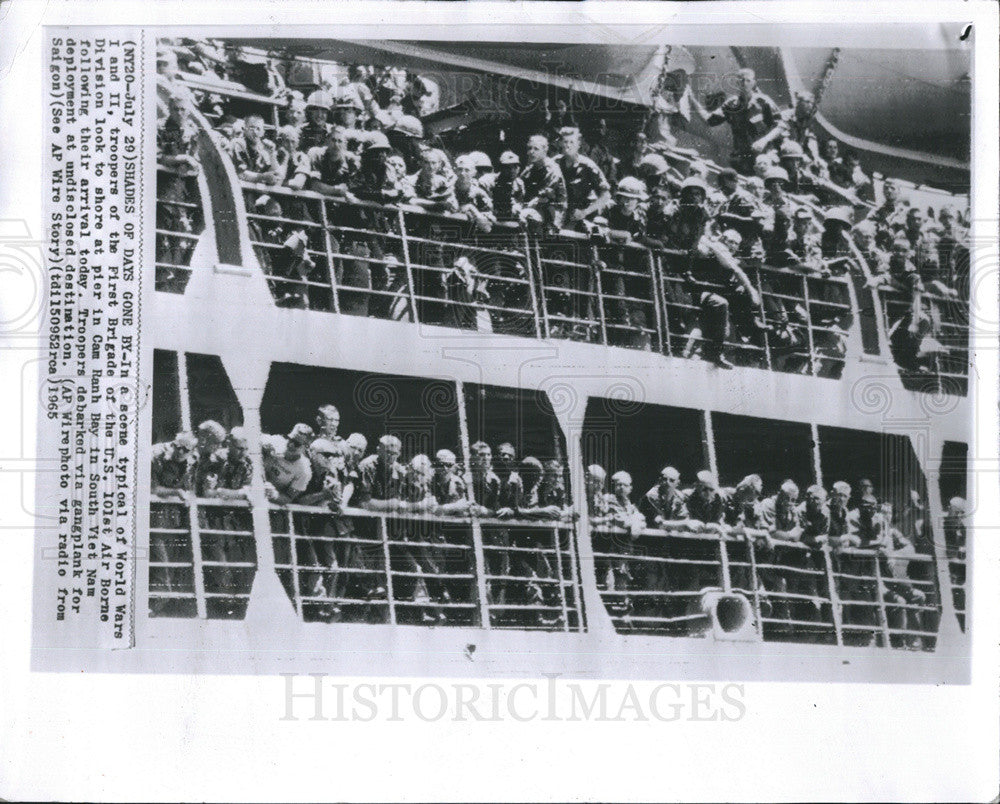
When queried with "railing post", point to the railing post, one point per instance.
{"points": [[537, 265], [835, 606], [813, 370], [198, 565], [405, 241], [880, 596], [817, 463], [708, 438], [477, 533], [334, 287], [653, 264], [727, 583], [763, 320], [557, 544], [293, 557], [752, 556], [595, 262], [530, 277], [383, 534]]}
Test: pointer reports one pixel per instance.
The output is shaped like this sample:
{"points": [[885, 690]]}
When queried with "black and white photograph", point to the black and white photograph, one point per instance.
{"points": [[500, 401], [568, 345]]}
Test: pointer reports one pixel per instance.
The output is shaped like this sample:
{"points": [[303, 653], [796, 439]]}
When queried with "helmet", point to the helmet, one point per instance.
{"points": [[694, 181], [509, 158], [776, 173], [464, 161], [481, 160], [319, 99], [377, 141], [631, 187], [348, 98], [841, 214], [653, 165], [790, 149], [410, 126]]}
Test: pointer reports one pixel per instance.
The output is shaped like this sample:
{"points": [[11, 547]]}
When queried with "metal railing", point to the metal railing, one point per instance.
{"points": [[203, 558], [403, 263], [180, 220], [654, 582], [372, 567], [934, 357]]}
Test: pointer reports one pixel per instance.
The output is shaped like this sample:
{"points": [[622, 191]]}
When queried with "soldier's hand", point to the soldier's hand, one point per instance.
{"points": [[505, 513]]}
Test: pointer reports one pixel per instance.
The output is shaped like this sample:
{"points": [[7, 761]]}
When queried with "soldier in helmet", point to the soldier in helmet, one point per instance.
{"points": [[314, 133], [627, 213], [406, 136], [712, 268]]}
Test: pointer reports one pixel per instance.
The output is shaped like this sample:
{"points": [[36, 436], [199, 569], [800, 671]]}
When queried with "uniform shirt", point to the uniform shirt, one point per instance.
{"points": [[606, 161], [551, 494], [599, 504], [544, 181], [176, 139], [206, 471], [261, 157], [291, 478], [814, 524], [511, 489], [711, 510], [475, 195], [381, 482], [486, 488], [313, 135], [745, 512], [683, 226], [235, 472], [873, 533], [169, 472], [584, 181], [449, 488], [634, 223], [777, 515], [295, 163], [323, 165], [388, 190], [748, 120], [670, 507], [508, 195]]}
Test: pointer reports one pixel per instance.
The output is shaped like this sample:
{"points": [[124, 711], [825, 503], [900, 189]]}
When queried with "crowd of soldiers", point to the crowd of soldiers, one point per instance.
{"points": [[782, 528], [315, 466], [787, 200]]}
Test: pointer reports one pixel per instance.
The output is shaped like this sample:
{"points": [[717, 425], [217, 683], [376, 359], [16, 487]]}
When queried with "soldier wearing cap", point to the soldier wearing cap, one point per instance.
{"points": [[804, 244], [624, 512], [544, 186], [508, 189], [587, 190], [705, 505], [357, 445], [664, 502], [317, 126], [332, 166], [740, 210], [750, 114], [432, 189], [484, 174]]}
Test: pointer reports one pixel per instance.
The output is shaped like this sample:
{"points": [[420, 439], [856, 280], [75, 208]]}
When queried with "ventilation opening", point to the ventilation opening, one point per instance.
{"points": [[731, 613]]}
